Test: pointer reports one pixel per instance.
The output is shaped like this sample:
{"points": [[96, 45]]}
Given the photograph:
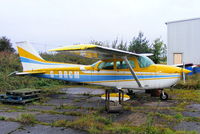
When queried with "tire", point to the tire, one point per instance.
{"points": [[164, 97]]}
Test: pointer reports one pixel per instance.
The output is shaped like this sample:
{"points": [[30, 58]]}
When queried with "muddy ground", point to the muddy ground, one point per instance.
{"points": [[71, 104]]}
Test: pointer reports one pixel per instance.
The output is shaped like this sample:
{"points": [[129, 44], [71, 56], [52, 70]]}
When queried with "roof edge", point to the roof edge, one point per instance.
{"points": [[177, 21]]}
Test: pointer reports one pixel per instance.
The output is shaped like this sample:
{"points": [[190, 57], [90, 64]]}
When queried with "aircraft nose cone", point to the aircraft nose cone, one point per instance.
{"points": [[186, 71], [182, 70]]}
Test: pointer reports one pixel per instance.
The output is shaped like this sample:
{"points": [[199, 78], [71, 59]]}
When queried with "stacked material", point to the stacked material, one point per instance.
{"points": [[21, 96]]}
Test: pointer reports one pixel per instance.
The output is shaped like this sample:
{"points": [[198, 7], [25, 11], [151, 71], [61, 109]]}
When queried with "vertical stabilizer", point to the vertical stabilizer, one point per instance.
{"points": [[28, 56]]}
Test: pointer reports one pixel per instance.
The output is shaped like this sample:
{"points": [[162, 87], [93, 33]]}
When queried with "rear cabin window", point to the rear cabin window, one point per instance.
{"points": [[106, 65], [123, 65], [144, 61]]}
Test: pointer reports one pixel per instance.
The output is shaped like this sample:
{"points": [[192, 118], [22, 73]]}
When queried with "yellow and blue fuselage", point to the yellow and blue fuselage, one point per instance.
{"points": [[151, 77]]}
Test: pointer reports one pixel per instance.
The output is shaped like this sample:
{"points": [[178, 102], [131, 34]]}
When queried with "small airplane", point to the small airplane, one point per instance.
{"points": [[115, 68]]}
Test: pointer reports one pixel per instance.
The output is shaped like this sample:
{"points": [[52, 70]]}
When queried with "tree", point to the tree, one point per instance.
{"points": [[158, 50], [139, 44], [114, 43], [122, 46], [100, 43], [6, 45]]}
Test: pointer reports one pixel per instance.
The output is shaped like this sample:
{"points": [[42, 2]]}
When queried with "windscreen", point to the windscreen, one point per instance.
{"points": [[144, 61]]}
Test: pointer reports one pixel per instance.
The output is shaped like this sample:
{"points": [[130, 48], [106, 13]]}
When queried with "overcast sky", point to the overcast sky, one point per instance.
{"points": [[53, 23]]}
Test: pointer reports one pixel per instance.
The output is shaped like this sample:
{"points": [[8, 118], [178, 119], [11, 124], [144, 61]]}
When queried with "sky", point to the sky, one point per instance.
{"points": [[49, 24]]}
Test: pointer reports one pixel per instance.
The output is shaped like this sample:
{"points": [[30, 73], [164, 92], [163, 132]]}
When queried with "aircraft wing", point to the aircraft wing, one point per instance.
{"points": [[95, 51]]}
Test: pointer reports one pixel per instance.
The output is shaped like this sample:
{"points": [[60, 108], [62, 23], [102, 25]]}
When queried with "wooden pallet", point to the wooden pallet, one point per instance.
{"points": [[23, 92], [21, 96], [20, 101]]}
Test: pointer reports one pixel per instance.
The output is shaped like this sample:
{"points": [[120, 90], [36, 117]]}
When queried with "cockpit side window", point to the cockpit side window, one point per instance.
{"points": [[106, 65], [144, 61], [123, 65]]}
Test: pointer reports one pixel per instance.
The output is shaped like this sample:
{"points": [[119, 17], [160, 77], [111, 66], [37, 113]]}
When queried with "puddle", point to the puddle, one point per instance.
{"points": [[37, 129], [83, 90], [6, 127], [188, 126]]}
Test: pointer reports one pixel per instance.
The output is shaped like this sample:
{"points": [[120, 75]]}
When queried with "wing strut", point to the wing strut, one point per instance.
{"points": [[132, 71]]}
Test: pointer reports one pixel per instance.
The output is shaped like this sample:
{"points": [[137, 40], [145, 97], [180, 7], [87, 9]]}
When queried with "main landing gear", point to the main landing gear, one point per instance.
{"points": [[114, 102], [158, 93], [163, 96]]}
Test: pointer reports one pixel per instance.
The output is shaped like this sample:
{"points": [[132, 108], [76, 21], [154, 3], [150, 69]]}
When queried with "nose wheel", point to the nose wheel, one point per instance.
{"points": [[163, 96]]}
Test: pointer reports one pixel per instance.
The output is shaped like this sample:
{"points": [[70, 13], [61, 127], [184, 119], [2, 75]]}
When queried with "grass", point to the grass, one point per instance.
{"points": [[96, 124], [2, 118], [27, 119], [192, 82], [185, 96]]}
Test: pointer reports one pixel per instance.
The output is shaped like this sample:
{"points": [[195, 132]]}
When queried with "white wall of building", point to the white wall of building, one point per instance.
{"points": [[184, 37]]}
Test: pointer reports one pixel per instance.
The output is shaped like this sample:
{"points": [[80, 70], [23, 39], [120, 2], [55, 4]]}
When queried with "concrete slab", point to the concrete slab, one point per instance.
{"points": [[58, 102], [41, 129], [194, 107], [82, 90], [7, 127], [192, 114], [188, 126], [15, 114], [39, 107], [159, 104], [50, 118]]}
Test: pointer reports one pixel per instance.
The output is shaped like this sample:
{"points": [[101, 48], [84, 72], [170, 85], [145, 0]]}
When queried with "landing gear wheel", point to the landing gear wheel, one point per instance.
{"points": [[164, 96], [130, 92]]}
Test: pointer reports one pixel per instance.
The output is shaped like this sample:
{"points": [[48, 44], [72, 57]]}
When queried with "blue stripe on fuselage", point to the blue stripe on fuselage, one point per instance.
{"points": [[93, 78]]}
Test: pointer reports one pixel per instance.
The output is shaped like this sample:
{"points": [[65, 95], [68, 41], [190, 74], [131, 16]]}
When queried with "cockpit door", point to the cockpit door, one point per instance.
{"points": [[123, 74], [105, 73]]}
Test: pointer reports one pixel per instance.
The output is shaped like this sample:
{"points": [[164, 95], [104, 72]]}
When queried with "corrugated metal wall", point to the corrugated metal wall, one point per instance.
{"points": [[184, 37]]}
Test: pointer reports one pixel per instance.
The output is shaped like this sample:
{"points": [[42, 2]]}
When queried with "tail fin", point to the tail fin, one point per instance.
{"points": [[30, 59]]}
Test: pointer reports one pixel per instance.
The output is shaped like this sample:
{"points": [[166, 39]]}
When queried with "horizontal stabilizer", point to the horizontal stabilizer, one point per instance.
{"points": [[25, 73]]}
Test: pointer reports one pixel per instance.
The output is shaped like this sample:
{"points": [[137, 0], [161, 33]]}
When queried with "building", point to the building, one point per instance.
{"points": [[183, 41]]}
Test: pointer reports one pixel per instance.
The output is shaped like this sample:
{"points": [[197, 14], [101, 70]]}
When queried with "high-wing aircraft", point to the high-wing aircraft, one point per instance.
{"points": [[115, 68]]}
